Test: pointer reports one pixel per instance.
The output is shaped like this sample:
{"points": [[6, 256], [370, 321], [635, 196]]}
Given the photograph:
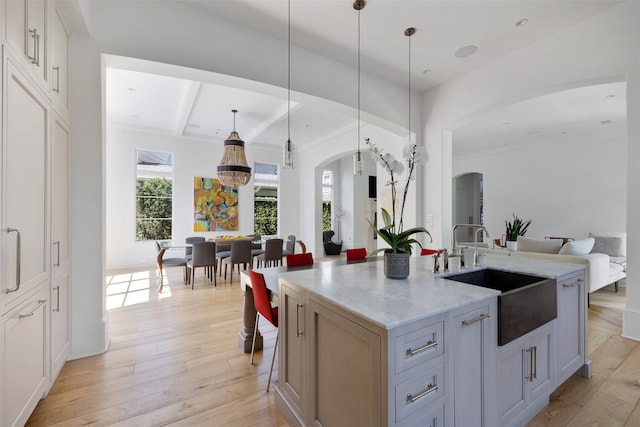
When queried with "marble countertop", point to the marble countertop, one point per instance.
{"points": [[363, 289]]}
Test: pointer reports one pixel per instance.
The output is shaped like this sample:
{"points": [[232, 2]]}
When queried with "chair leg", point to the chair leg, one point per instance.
{"points": [[273, 358], [193, 277], [225, 270], [213, 273], [255, 332]]}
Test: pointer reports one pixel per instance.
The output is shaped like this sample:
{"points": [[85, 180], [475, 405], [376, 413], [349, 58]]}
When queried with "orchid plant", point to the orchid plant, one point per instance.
{"points": [[399, 240]]}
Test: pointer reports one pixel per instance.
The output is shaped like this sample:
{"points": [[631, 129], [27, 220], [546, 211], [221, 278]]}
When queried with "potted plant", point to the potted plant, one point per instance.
{"points": [[400, 241], [515, 228]]}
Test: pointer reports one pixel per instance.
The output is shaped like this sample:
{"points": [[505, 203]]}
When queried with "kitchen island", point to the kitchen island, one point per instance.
{"points": [[360, 349]]}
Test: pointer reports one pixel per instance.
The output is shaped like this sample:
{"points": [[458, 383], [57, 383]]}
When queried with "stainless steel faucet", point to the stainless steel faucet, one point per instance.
{"points": [[475, 243], [454, 250]]}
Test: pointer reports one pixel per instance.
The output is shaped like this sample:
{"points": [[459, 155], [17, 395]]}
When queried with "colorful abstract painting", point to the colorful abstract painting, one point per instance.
{"points": [[215, 206]]}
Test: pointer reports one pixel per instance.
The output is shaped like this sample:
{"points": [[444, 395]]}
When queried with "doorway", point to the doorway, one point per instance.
{"points": [[467, 204]]}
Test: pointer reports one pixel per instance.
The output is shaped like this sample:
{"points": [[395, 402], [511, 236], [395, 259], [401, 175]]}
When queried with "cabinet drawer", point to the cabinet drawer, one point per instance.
{"points": [[417, 347], [571, 281], [419, 392]]}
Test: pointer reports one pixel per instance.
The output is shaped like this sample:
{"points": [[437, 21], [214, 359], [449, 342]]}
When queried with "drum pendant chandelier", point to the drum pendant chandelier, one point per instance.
{"points": [[234, 169]]}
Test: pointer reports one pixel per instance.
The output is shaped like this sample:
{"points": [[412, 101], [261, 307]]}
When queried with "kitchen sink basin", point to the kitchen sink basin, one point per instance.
{"points": [[526, 301]]}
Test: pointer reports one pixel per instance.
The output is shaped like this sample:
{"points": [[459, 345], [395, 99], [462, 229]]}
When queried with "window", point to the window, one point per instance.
{"points": [[327, 199], [265, 201], [154, 195]]}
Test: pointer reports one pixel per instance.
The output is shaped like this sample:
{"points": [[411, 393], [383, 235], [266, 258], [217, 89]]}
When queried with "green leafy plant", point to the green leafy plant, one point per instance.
{"points": [[516, 228], [399, 240]]}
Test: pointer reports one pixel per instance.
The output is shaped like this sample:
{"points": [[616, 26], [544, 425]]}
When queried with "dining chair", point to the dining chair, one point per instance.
{"points": [[222, 251], [191, 241], [240, 254], [272, 255], [356, 254], [256, 248], [425, 251], [263, 306], [299, 259], [290, 245], [170, 262], [204, 255]]}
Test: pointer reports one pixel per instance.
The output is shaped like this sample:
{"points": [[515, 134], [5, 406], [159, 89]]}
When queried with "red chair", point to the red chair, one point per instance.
{"points": [[263, 308], [299, 259], [356, 253], [424, 251]]}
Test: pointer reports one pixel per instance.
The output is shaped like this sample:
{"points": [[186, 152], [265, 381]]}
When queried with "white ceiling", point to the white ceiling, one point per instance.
{"points": [[201, 108]]}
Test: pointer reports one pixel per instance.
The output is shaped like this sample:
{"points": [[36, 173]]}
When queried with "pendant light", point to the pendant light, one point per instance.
{"points": [[358, 164], [233, 169], [289, 148], [409, 32]]}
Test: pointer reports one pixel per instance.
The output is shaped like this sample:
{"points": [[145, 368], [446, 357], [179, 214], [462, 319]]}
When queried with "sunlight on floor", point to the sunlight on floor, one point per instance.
{"points": [[128, 289]]}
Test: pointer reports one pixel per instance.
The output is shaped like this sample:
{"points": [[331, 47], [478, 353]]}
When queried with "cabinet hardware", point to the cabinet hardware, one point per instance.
{"points": [[428, 345], [34, 36], [572, 284], [37, 50], [298, 331], [533, 361], [18, 260], [430, 389], [57, 245], [57, 88], [57, 309], [41, 302], [476, 319]]}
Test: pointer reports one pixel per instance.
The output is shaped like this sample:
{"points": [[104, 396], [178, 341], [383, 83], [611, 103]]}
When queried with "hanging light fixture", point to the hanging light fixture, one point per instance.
{"points": [[289, 148], [233, 169], [409, 32], [358, 165]]}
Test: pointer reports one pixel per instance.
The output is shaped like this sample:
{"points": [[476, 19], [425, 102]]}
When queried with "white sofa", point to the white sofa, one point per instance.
{"points": [[602, 269]]}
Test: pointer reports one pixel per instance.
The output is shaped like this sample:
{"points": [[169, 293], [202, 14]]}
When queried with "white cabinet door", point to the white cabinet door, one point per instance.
{"points": [[471, 339], [24, 201], [59, 61], [60, 331], [26, 33], [59, 200], [571, 326], [24, 363]]}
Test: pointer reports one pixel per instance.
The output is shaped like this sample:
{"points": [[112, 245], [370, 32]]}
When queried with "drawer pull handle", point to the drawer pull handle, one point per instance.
{"points": [[476, 319], [57, 309], [571, 285], [18, 260], [40, 304], [430, 389], [57, 245], [428, 345], [57, 88]]}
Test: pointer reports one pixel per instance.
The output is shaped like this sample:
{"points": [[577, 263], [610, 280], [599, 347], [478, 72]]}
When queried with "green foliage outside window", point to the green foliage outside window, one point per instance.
{"points": [[326, 216], [265, 215], [153, 209]]}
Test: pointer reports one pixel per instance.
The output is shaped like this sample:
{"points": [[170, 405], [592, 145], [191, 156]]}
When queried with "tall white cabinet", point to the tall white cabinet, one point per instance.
{"points": [[35, 266]]}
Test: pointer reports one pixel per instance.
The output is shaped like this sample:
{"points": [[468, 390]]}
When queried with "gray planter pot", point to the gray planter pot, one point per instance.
{"points": [[396, 265]]}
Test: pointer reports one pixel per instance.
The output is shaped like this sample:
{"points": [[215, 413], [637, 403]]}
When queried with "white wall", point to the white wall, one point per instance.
{"points": [[192, 158], [602, 48], [566, 189], [173, 33]]}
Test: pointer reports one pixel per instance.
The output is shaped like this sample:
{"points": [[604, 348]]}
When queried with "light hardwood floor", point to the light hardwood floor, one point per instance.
{"points": [[174, 359]]}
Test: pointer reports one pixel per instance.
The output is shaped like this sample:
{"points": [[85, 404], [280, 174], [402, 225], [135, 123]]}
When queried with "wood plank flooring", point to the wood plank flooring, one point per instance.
{"points": [[174, 360]]}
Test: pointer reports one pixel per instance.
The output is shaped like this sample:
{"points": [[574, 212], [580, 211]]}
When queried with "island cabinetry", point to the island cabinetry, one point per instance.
{"points": [[473, 348], [330, 365], [571, 327], [525, 375]]}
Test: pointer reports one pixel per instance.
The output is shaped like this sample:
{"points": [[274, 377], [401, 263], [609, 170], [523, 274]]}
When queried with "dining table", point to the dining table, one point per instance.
{"points": [[245, 336]]}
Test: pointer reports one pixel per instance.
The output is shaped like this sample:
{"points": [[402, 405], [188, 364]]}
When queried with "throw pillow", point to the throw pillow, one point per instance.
{"points": [[610, 244], [578, 247], [545, 246]]}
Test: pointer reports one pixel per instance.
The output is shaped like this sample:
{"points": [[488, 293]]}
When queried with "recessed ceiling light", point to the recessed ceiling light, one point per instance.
{"points": [[132, 89], [522, 22], [193, 126], [605, 122], [135, 116], [532, 132], [610, 96], [505, 123], [465, 51]]}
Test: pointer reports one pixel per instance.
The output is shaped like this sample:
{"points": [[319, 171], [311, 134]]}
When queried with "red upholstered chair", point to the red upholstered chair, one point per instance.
{"points": [[356, 253], [263, 308], [425, 251], [299, 259]]}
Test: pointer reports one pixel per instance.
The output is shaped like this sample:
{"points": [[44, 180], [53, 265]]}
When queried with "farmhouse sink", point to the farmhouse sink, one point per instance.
{"points": [[526, 302]]}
